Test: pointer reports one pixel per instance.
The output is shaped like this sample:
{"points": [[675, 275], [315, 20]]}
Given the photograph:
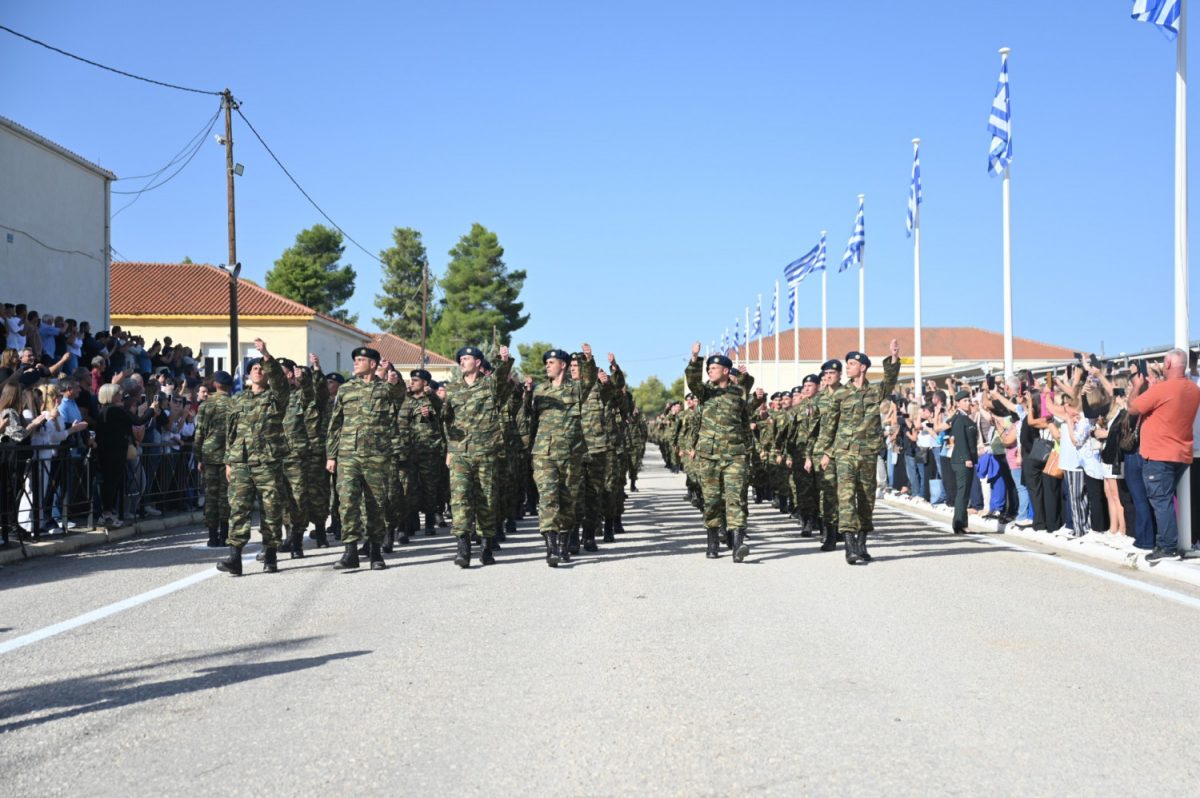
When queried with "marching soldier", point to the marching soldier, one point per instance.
{"points": [[328, 483], [825, 479], [209, 445], [851, 439], [803, 438], [424, 412], [316, 419], [360, 431], [254, 452], [301, 401]]}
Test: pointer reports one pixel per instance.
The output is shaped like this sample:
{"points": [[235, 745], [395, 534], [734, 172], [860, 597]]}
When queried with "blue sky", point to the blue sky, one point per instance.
{"points": [[652, 166]]}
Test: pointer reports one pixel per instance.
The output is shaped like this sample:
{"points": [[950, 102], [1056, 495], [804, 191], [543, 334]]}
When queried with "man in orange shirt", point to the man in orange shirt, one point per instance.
{"points": [[1167, 408]]}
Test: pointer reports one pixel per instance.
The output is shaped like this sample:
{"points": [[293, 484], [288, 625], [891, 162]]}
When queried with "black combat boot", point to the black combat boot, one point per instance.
{"points": [[497, 535], [572, 542], [501, 530], [608, 531], [296, 544], [377, 563], [224, 538], [726, 538], [775, 502], [617, 527], [589, 539], [714, 546], [430, 524], [214, 537], [740, 549], [510, 527], [863, 554], [365, 549], [564, 546], [232, 564], [441, 519], [806, 527], [389, 541], [633, 485], [551, 539], [851, 547], [402, 535], [462, 556], [270, 561], [485, 551], [349, 560], [318, 535]]}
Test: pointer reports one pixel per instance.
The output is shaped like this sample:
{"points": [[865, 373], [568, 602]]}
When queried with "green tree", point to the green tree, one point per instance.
{"points": [[677, 390], [530, 364], [308, 272], [404, 266], [650, 395], [479, 294]]}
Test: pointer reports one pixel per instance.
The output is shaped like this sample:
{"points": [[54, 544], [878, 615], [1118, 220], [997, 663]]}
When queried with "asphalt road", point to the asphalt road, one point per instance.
{"points": [[948, 666]]}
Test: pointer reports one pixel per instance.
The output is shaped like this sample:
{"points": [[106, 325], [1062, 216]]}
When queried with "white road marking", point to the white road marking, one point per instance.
{"points": [[1154, 590]]}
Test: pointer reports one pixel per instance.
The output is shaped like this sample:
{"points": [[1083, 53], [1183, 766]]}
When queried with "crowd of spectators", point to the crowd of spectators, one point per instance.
{"points": [[1096, 447], [76, 405]]}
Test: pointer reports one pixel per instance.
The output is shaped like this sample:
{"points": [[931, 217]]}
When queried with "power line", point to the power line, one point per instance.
{"points": [[199, 142], [44, 245], [203, 133], [108, 68]]}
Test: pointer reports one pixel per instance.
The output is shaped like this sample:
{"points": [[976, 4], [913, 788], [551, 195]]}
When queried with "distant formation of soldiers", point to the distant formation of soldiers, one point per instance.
{"points": [[480, 452]]}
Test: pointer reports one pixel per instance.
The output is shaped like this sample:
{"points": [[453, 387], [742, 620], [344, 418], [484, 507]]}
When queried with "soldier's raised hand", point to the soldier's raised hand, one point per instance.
{"points": [[385, 364], [313, 360], [894, 348], [425, 410], [695, 349], [261, 346], [602, 375], [529, 383], [612, 360], [587, 350], [504, 354]]}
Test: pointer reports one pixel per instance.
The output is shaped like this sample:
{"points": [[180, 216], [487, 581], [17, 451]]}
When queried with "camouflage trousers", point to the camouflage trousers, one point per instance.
{"points": [[637, 457], [558, 484], [216, 495], [804, 487], [596, 501], [297, 497], [510, 485], [262, 481], [473, 493], [398, 495], [723, 482], [362, 489], [317, 488], [617, 467], [825, 482], [778, 478], [427, 465], [856, 493]]}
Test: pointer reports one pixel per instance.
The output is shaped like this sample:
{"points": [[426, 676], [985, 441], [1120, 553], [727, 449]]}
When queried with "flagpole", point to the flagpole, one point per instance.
{"points": [[862, 291], [777, 325], [1182, 322], [758, 325], [746, 340], [1006, 227], [824, 309], [917, 382], [796, 335]]}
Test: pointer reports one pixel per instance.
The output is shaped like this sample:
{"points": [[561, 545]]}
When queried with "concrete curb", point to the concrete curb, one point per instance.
{"points": [[1113, 549], [98, 537]]}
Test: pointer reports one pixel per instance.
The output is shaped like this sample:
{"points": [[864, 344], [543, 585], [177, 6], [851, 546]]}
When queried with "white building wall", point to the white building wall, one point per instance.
{"points": [[332, 343], [54, 232]]}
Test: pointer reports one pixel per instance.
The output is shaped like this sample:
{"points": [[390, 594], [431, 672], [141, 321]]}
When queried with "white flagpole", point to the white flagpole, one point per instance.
{"points": [[1006, 224], [777, 325], [917, 381], [862, 292], [758, 315], [1182, 322], [746, 338], [796, 335], [824, 309]]}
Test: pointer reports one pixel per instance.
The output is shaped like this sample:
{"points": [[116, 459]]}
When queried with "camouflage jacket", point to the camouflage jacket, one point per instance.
{"points": [[823, 401], [853, 425], [301, 402], [316, 414], [254, 430], [472, 412], [804, 427], [724, 417], [363, 420], [596, 411], [211, 424], [556, 413], [425, 431]]}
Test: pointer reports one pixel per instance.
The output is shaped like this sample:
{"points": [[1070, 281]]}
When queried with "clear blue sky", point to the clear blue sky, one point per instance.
{"points": [[652, 166]]}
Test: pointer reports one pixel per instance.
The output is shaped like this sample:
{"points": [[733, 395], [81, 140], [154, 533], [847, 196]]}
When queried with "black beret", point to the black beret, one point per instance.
{"points": [[577, 356], [434, 385], [473, 351], [286, 363], [734, 373], [557, 354], [367, 352], [223, 378], [719, 360], [486, 365], [690, 396], [252, 362], [798, 388], [335, 377], [421, 374], [815, 379], [860, 357], [832, 365], [962, 395]]}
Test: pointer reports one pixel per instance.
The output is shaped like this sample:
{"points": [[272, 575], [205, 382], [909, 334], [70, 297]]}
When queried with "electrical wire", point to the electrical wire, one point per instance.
{"points": [[44, 245], [102, 66], [199, 142], [202, 134]]}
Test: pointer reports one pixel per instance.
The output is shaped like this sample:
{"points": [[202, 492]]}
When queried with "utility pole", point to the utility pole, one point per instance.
{"points": [[235, 358], [424, 307]]}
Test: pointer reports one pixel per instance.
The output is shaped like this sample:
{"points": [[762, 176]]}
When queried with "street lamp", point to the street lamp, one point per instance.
{"points": [[234, 357]]}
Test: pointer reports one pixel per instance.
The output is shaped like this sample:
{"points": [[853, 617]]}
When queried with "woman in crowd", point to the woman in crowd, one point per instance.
{"points": [[19, 422], [1074, 432], [114, 435], [72, 344], [1116, 493], [47, 440]]}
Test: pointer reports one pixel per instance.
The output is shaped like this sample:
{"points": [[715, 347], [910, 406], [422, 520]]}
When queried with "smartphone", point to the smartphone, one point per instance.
{"points": [[991, 382], [1078, 356], [1118, 391], [1142, 368], [1094, 362]]}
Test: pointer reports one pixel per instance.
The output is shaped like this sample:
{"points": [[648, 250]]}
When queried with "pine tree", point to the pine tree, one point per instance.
{"points": [[479, 294], [404, 269], [308, 272]]}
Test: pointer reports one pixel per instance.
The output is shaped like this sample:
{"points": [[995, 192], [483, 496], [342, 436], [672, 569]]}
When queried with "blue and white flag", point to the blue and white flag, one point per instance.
{"points": [[853, 255], [914, 191], [737, 334], [796, 271], [819, 263], [774, 310], [725, 341], [1000, 153], [1163, 14], [756, 330]]}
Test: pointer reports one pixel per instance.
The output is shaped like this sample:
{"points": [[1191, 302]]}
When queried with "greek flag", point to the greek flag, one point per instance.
{"points": [[819, 264], [797, 270], [914, 191], [737, 334], [757, 329], [1163, 14], [725, 341], [774, 310], [858, 239], [1000, 153]]}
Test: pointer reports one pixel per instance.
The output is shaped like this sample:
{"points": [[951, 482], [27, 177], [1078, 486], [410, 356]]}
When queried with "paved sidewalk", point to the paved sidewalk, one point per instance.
{"points": [[1114, 549], [78, 539]]}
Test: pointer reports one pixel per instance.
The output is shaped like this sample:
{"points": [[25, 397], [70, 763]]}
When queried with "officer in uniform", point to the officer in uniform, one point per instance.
{"points": [[965, 435], [209, 445], [254, 451], [424, 412], [328, 483], [361, 427], [825, 479], [801, 440], [301, 400], [472, 411]]}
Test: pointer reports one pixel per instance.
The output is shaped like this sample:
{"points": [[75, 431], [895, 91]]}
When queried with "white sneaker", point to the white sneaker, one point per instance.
{"points": [[149, 510], [76, 525]]}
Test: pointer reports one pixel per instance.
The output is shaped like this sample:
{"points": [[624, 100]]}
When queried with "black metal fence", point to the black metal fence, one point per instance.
{"points": [[59, 489]]}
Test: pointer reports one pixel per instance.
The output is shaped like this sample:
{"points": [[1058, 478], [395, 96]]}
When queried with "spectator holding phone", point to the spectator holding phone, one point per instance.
{"points": [[1167, 407]]}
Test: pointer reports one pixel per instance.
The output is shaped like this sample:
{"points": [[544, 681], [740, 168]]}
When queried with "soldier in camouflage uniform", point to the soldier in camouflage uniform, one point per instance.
{"points": [[722, 448], [851, 439], [359, 448], [687, 428], [209, 446], [474, 404], [327, 487], [555, 412], [825, 479], [638, 434], [598, 457], [802, 439], [296, 464], [316, 422], [424, 420], [399, 485], [254, 452]]}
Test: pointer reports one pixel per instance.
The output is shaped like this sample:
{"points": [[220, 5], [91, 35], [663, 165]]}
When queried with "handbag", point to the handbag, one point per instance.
{"points": [[1041, 450], [1131, 438], [131, 452], [1052, 469]]}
